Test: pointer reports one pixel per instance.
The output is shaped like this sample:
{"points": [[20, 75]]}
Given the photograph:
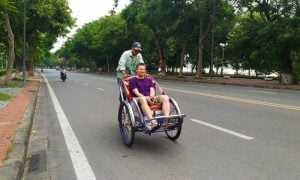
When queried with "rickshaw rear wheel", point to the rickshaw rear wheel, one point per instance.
{"points": [[125, 119], [174, 132]]}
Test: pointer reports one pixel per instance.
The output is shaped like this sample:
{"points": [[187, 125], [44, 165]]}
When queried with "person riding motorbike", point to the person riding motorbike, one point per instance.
{"points": [[63, 73]]}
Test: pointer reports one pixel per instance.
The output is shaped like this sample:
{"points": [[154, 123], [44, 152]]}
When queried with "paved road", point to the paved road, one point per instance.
{"points": [[229, 133]]}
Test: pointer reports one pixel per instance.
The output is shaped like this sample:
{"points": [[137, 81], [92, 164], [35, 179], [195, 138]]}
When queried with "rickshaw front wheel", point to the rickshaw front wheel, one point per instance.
{"points": [[125, 119]]}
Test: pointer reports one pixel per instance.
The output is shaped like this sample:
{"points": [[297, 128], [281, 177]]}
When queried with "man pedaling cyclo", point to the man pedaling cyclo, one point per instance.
{"points": [[128, 60]]}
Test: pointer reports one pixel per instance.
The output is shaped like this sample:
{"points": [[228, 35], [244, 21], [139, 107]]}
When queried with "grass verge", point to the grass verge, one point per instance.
{"points": [[4, 97]]}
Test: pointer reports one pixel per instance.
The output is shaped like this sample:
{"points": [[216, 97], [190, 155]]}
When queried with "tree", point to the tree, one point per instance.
{"points": [[101, 42], [7, 8], [45, 20], [160, 17], [277, 34]]}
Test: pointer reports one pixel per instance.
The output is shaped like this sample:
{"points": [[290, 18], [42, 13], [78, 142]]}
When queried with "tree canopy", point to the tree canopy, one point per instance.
{"points": [[44, 22], [260, 35]]}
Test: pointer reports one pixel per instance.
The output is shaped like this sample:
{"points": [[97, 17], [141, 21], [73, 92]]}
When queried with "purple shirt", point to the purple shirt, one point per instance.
{"points": [[143, 85]]}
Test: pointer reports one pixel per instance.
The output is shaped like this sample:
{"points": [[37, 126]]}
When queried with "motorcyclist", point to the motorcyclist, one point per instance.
{"points": [[63, 72]]}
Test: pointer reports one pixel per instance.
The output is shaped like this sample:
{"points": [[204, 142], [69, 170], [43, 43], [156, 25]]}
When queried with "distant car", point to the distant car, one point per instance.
{"points": [[57, 67]]}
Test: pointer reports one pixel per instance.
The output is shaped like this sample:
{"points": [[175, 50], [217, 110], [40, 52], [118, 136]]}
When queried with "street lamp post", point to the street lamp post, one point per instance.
{"points": [[223, 49]]}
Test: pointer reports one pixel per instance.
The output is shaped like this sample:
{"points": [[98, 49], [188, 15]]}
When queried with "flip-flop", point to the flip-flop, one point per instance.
{"points": [[153, 123]]}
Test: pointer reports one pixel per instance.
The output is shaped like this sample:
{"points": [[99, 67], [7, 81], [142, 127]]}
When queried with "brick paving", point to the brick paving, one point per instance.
{"points": [[11, 116]]}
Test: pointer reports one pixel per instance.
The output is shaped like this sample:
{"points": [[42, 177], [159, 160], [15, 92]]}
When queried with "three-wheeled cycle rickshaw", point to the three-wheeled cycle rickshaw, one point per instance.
{"points": [[131, 119]]}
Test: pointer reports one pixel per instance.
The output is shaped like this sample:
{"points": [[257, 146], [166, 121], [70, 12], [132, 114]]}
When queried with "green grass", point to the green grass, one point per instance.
{"points": [[15, 83], [4, 97]]}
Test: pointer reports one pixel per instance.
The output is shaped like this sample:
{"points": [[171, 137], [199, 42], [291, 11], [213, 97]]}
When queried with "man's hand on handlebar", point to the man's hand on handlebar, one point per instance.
{"points": [[126, 76]]}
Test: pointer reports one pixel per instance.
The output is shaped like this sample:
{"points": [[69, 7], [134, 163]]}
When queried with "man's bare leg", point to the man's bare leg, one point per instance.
{"points": [[164, 99]]}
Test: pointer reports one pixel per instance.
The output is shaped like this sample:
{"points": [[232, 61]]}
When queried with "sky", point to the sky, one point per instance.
{"points": [[87, 11]]}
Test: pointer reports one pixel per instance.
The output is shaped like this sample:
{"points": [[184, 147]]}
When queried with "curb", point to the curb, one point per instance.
{"points": [[205, 81], [13, 168], [228, 83]]}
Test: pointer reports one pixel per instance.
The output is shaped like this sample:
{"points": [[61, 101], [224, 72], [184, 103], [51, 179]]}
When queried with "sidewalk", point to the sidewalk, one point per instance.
{"points": [[15, 125]]}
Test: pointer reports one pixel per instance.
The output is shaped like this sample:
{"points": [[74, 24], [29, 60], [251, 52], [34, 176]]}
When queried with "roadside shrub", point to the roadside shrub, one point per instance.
{"points": [[2, 72]]}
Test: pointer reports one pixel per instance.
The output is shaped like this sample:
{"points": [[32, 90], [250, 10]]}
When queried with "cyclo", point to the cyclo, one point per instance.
{"points": [[131, 119]]}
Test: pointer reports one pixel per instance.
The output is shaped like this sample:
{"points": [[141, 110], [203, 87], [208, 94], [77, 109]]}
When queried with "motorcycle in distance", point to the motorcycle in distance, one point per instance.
{"points": [[63, 75]]}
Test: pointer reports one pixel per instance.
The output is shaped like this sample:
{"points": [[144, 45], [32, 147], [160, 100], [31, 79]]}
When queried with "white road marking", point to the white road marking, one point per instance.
{"points": [[198, 86], [223, 129], [266, 92], [100, 89], [85, 84], [81, 165]]}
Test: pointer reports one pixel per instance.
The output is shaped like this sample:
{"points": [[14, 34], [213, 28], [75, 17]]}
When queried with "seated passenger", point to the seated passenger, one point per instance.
{"points": [[142, 88]]}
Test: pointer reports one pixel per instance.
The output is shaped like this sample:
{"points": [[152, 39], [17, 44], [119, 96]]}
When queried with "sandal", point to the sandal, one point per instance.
{"points": [[151, 124], [154, 123]]}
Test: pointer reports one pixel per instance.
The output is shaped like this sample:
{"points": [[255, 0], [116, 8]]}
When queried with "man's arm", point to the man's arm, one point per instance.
{"points": [[136, 92], [152, 92], [121, 65], [140, 58]]}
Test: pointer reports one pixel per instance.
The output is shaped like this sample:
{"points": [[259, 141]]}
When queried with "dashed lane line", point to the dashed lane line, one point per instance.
{"points": [[223, 129]]}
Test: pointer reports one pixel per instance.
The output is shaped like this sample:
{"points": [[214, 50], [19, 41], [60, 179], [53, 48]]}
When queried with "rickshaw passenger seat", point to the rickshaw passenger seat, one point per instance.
{"points": [[127, 89], [155, 107]]}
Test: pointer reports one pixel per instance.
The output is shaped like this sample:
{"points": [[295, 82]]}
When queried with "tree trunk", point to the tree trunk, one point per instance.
{"points": [[217, 70], [287, 79], [161, 52], [182, 58], [249, 73], [287, 69], [201, 47], [31, 68], [202, 34], [107, 63], [11, 50]]}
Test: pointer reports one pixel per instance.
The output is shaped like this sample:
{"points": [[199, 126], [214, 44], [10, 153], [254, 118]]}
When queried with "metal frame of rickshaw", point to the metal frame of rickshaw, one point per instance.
{"points": [[131, 118]]}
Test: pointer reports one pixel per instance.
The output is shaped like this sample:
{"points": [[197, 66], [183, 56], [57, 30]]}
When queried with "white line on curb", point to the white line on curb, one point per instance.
{"points": [[223, 129], [100, 89], [81, 165], [85, 84]]}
